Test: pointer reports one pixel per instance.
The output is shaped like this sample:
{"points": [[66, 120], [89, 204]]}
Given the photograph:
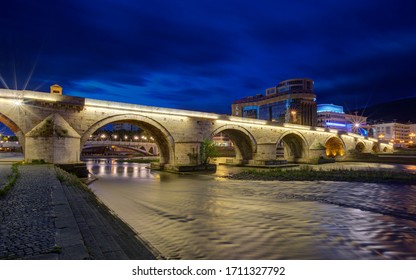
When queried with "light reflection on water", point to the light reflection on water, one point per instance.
{"points": [[203, 217]]}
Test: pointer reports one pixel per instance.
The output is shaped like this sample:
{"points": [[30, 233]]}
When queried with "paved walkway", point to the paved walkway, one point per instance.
{"points": [[40, 218]]}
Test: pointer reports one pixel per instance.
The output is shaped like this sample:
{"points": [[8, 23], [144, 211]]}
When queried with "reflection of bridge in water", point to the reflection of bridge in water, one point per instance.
{"points": [[103, 167], [146, 148]]}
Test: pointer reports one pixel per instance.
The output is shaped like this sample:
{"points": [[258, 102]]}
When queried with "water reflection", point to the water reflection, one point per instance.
{"points": [[204, 217], [114, 168]]}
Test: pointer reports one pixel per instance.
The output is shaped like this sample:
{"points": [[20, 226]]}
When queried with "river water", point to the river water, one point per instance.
{"points": [[209, 217]]}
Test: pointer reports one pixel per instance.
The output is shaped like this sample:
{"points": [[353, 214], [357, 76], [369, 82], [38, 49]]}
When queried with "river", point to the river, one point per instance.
{"points": [[209, 217]]}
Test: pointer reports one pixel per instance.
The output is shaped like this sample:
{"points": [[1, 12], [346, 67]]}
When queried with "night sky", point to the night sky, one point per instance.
{"points": [[203, 55]]}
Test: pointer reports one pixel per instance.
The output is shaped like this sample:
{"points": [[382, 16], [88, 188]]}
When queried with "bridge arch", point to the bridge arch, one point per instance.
{"points": [[334, 146], [15, 129], [9, 123], [162, 137], [243, 140], [360, 147], [376, 147], [295, 146]]}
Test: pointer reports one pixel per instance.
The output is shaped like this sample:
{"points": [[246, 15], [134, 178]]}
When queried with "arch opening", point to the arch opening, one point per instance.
{"points": [[376, 148], [233, 143], [360, 147], [130, 135], [334, 147], [292, 147], [11, 139]]}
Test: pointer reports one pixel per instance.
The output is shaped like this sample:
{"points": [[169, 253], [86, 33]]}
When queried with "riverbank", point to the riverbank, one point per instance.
{"points": [[309, 173], [42, 217]]}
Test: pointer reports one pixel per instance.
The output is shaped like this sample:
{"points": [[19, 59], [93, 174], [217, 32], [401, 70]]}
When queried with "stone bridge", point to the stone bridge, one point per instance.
{"points": [[146, 147], [55, 127]]}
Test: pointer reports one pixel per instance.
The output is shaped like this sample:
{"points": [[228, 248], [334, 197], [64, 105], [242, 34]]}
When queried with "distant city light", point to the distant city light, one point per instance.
{"points": [[336, 124]]}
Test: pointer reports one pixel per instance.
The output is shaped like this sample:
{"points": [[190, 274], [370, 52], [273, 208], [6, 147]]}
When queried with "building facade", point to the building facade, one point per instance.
{"points": [[333, 117], [291, 101], [399, 134]]}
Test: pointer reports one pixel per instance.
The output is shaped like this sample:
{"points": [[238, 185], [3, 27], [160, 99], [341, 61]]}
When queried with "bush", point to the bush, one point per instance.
{"points": [[307, 173]]}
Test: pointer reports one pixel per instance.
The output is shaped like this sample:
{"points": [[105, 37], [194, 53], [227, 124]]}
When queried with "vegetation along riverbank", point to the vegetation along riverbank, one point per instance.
{"points": [[308, 173]]}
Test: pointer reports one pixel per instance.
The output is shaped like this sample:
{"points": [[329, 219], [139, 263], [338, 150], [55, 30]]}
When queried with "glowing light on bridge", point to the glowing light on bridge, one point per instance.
{"points": [[18, 102], [149, 109], [247, 120]]}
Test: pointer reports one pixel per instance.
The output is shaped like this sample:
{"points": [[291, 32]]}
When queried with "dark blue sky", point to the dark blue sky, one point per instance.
{"points": [[202, 55]]}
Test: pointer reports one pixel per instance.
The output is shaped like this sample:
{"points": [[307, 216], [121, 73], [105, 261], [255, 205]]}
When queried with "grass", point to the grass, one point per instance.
{"points": [[307, 173], [71, 179], [11, 180]]}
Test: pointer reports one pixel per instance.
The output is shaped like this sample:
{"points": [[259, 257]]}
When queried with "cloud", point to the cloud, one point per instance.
{"points": [[176, 54]]}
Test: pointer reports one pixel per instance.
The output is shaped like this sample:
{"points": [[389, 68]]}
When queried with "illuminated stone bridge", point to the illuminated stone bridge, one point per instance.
{"points": [[147, 148], [55, 127]]}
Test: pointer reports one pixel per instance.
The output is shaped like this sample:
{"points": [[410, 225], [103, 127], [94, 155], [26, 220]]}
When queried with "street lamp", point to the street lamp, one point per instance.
{"points": [[18, 102], [293, 113], [381, 136], [412, 134]]}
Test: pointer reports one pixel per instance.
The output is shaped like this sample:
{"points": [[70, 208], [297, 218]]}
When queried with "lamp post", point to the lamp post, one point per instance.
{"points": [[293, 113], [411, 138]]}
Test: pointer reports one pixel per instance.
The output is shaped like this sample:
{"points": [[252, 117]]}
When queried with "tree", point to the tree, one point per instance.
{"points": [[208, 150]]}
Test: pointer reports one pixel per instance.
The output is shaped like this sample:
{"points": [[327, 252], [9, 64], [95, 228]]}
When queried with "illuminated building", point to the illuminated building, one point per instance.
{"points": [[333, 117], [291, 101], [399, 134]]}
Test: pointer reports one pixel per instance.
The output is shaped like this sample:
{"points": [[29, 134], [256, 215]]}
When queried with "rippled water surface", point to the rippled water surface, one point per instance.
{"points": [[207, 217]]}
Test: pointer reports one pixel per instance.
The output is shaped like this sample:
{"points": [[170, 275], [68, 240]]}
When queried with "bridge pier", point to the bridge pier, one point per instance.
{"points": [[266, 153], [53, 140]]}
